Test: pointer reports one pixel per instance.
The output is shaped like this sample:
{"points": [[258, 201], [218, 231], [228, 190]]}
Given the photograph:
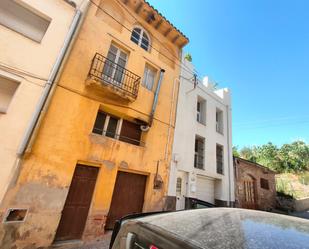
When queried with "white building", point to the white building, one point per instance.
{"points": [[202, 162], [34, 39]]}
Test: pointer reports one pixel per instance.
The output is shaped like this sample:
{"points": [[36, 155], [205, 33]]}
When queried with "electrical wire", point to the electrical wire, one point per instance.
{"points": [[114, 104], [128, 29], [20, 71], [158, 40]]}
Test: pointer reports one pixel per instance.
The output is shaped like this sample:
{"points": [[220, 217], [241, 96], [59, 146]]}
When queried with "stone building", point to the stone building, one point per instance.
{"points": [[255, 186]]}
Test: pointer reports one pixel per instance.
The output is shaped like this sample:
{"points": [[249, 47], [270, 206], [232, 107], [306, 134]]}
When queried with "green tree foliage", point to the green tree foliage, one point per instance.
{"points": [[293, 157], [188, 57], [248, 153], [235, 151]]}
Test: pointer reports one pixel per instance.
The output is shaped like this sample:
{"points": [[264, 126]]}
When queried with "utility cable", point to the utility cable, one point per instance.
{"points": [[158, 40], [128, 29]]}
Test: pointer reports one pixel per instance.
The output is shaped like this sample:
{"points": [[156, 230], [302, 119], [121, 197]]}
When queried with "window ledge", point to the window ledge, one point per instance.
{"points": [[101, 139], [201, 123]]}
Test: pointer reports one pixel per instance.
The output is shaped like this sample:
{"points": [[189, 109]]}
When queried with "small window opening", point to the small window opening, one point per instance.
{"points": [[264, 183], [16, 215]]}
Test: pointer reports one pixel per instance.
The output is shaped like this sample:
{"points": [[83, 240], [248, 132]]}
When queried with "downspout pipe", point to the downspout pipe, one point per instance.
{"points": [[155, 100], [229, 151], [50, 82]]}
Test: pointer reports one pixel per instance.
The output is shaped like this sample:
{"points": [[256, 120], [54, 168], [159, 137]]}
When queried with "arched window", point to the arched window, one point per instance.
{"points": [[141, 38]]}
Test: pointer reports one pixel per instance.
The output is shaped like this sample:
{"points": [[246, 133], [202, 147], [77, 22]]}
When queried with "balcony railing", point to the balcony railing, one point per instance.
{"points": [[111, 73]]}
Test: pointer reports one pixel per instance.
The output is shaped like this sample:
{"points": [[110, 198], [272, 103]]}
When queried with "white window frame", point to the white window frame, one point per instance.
{"points": [[145, 83], [139, 42], [118, 128], [118, 53], [117, 135], [220, 122], [201, 114]]}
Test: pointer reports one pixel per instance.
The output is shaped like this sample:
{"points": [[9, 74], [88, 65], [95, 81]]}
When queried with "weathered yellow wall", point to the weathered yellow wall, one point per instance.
{"points": [[65, 137]]}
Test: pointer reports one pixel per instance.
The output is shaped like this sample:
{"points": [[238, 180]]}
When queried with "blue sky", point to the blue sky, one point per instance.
{"points": [[260, 50]]}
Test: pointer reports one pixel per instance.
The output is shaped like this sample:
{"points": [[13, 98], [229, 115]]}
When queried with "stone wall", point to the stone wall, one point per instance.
{"points": [[302, 204], [264, 199]]}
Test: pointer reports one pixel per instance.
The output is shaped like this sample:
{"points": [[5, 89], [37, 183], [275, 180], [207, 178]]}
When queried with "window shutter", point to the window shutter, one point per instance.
{"points": [[130, 133]]}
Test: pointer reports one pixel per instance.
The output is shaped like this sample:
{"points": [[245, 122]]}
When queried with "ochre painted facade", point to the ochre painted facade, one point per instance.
{"points": [[65, 136]]}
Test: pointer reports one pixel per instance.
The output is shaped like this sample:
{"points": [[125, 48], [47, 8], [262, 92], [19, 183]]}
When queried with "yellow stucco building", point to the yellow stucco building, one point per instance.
{"points": [[103, 149]]}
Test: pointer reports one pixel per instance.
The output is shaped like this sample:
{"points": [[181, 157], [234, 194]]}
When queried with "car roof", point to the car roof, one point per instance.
{"points": [[231, 228]]}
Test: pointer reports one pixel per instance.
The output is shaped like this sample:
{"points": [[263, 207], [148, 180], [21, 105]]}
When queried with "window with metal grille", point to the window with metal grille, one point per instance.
{"points": [[117, 128], [264, 183], [22, 20], [141, 38], [178, 186], [199, 152], [219, 154], [149, 77]]}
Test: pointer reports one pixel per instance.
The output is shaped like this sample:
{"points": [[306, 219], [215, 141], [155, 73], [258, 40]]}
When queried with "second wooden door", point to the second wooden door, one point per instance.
{"points": [[128, 197]]}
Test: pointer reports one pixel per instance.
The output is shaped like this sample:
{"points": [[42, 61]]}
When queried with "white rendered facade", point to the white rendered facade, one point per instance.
{"points": [[32, 34], [210, 123]]}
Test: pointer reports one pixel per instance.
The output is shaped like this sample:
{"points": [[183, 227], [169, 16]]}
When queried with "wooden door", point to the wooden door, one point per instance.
{"points": [[250, 194], [76, 207], [128, 197]]}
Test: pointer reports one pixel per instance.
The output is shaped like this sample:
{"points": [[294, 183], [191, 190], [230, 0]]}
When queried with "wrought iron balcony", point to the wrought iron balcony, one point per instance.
{"points": [[109, 73]]}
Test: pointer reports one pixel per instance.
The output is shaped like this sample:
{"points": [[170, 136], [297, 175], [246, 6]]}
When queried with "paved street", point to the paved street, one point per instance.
{"points": [[102, 244], [303, 214]]}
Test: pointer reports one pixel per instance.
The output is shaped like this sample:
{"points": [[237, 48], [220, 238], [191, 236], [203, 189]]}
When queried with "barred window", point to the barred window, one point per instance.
{"points": [[219, 154], [199, 152]]}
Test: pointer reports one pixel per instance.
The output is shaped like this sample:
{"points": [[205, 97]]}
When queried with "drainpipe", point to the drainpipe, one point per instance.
{"points": [[155, 100], [43, 102], [171, 116], [228, 151]]}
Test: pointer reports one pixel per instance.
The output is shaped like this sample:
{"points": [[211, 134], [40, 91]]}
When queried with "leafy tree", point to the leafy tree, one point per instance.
{"points": [[248, 153], [267, 155], [293, 157]]}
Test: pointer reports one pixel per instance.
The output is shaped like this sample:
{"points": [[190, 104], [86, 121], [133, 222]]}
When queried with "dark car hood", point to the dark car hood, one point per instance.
{"points": [[232, 228]]}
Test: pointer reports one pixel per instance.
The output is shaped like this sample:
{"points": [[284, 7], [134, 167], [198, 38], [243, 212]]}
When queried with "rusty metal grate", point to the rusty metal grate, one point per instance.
{"points": [[109, 72]]}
